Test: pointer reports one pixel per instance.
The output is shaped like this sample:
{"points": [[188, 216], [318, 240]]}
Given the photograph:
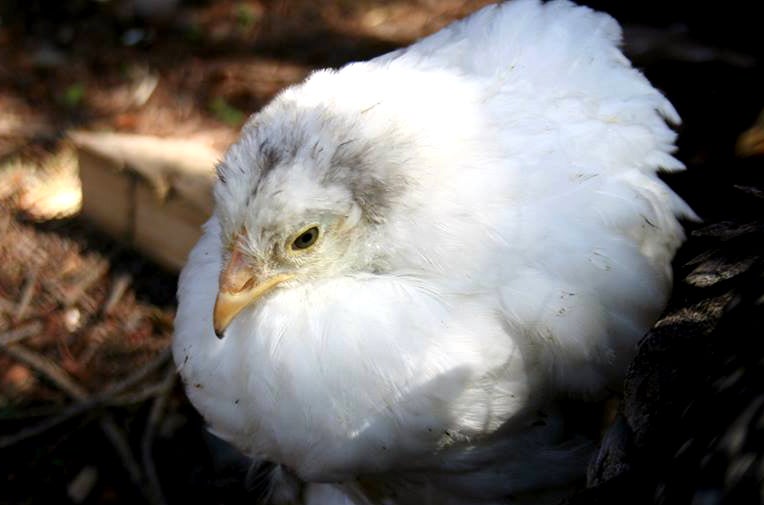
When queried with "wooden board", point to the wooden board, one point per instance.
{"points": [[150, 193]]}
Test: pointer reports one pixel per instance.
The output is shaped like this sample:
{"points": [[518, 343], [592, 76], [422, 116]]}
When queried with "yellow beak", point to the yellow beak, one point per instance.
{"points": [[239, 287]]}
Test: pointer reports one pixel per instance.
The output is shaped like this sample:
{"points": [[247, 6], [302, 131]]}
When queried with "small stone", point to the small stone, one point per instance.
{"points": [[72, 319], [82, 485]]}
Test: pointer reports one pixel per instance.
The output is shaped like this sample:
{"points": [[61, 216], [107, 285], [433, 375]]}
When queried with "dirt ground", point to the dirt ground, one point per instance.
{"points": [[90, 411]]}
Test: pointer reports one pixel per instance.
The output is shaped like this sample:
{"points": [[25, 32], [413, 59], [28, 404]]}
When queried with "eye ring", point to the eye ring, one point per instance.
{"points": [[305, 239]]}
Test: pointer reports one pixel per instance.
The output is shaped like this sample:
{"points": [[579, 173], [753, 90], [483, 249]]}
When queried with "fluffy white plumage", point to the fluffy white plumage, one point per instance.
{"points": [[491, 235]]}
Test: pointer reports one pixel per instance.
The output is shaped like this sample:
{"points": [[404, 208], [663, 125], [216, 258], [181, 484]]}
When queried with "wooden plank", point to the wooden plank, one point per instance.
{"points": [[151, 193], [167, 230], [107, 194]]}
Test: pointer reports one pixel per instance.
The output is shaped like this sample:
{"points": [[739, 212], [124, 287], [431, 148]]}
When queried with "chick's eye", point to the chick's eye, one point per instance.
{"points": [[305, 239]]}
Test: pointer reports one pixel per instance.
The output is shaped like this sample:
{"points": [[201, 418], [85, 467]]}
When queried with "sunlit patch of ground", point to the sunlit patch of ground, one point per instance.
{"points": [[43, 189]]}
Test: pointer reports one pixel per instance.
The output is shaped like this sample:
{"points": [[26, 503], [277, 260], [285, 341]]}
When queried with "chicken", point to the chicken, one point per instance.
{"points": [[412, 259]]}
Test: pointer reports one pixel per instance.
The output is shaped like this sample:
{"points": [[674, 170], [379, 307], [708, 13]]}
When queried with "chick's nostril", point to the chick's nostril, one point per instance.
{"points": [[237, 274], [235, 282], [248, 284]]}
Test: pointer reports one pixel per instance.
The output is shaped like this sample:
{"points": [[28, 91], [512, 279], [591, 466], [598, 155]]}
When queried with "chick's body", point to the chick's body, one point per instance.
{"points": [[491, 234]]}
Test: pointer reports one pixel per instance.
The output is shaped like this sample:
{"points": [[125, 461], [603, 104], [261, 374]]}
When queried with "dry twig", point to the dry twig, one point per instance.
{"points": [[147, 485], [73, 294], [48, 424], [147, 442], [139, 375], [120, 285], [121, 445], [26, 294], [144, 394], [85, 405], [49, 369], [20, 333], [70, 295]]}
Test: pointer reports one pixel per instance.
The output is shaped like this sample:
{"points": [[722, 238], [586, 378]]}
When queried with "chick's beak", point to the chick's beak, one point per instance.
{"points": [[240, 286]]}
